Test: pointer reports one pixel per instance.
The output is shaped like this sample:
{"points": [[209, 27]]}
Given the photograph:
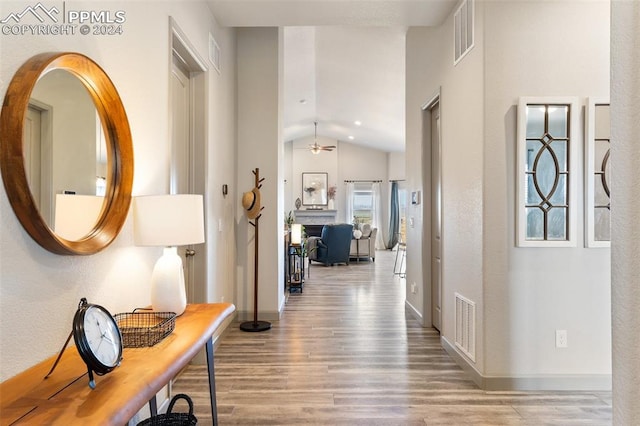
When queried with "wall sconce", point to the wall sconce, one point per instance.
{"points": [[169, 221]]}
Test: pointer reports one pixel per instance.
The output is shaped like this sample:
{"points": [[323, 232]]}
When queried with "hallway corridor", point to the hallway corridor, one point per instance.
{"points": [[345, 353]]}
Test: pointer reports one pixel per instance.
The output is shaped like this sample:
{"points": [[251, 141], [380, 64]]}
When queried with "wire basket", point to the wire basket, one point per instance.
{"points": [[144, 329], [171, 418]]}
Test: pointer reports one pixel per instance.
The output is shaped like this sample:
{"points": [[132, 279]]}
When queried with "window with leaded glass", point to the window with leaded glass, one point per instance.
{"points": [[598, 174], [546, 172]]}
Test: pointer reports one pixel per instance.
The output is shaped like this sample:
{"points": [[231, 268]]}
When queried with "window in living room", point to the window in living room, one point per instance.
{"points": [[363, 202]]}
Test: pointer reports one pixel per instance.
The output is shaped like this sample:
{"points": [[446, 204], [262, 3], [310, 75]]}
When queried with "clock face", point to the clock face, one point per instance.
{"points": [[103, 337], [97, 338]]}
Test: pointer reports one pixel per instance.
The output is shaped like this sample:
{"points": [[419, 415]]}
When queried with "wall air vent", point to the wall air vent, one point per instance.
{"points": [[466, 326], [463, 30], [214, 53]]}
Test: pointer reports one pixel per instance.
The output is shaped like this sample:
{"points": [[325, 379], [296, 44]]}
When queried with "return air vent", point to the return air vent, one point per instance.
{"points": [[463, 30], [214, 53], [466, 326]]}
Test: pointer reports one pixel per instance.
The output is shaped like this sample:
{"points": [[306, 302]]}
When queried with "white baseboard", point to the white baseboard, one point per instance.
{"points": [[549, 382], [413, 311]]}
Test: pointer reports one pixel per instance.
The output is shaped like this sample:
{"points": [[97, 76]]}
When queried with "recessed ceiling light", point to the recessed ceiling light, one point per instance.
{"points": [[357, 122], [351, 138]]}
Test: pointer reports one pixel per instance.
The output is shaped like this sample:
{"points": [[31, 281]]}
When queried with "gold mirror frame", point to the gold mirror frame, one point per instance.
{"points": [[119, 152]]}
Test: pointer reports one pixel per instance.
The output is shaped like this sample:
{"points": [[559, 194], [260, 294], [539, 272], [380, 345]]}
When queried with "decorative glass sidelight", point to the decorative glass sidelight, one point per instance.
{"points": [[598, 174], [546, 208]]}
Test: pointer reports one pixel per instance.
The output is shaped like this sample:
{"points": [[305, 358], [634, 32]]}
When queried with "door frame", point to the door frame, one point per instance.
{"points": [[181, 47], [427, 319]]}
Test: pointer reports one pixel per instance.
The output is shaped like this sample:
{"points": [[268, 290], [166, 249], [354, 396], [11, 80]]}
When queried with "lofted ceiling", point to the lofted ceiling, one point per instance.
{"points": [[344, 62]]}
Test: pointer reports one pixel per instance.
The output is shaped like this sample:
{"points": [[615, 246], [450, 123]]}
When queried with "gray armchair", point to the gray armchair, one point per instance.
{"points": [[332, 246], [366, 246]]}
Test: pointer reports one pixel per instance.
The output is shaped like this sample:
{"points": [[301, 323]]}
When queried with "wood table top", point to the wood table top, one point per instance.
{"points": [[65, 397]]}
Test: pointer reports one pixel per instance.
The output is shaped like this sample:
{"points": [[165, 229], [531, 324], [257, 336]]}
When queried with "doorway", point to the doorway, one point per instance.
{"points": [[432, 211], [188, 100]]}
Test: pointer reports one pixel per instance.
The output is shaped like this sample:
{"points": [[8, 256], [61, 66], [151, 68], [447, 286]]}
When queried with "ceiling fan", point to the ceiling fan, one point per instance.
{"points": [[315, 148]]}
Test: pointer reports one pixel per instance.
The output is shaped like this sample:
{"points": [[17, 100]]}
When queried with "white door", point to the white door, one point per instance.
{"points": [[436, 218], [32, 160], [37, 157], [183, 177]]}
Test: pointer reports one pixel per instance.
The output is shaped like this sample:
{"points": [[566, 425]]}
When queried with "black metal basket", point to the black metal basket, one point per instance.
{"points": [[143, 329], [173, 419]]}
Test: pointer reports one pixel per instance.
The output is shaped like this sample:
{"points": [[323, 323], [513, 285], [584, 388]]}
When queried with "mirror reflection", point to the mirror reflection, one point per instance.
{"points": [[65, 154]]}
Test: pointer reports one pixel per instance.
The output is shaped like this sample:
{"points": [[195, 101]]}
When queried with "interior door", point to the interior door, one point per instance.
{"points": [[182, 172], [32, 148], [436, 218]]}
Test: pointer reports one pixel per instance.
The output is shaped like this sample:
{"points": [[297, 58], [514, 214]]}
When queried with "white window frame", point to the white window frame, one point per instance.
{"points": [[357, 190], [590, 135], [573, 169]]}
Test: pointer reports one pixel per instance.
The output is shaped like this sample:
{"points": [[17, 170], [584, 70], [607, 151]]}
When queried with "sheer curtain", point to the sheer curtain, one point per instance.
{"points": [[376, 220], [394, 220], [349, 202]]}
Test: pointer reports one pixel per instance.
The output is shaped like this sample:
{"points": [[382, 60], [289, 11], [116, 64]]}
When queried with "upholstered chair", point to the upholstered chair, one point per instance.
{"points": [[366, 247], [332, 246]]}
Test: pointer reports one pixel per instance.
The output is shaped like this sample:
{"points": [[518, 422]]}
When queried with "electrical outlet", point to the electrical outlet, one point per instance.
{"points": [[222, 299], [561, 339], [414, 288]]}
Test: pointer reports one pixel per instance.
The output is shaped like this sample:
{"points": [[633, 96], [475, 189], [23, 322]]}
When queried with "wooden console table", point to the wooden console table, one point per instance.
{"points": [[65, 397]]}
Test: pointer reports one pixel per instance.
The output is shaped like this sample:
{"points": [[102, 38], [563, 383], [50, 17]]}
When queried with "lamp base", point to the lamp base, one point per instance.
{"points": [[255, 326], [168, 293]]}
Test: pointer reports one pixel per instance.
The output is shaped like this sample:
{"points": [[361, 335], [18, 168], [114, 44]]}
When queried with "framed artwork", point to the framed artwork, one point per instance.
{"points": [[314, 189]]}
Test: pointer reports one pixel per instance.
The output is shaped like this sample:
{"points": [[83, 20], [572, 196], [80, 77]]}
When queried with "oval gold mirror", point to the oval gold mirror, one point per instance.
{"points": [[114, 125]]}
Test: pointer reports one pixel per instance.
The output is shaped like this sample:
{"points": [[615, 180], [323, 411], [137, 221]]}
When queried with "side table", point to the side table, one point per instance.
{"points": [[296, 272]]}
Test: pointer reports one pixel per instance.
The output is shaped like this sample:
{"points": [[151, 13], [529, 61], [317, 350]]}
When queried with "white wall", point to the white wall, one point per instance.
{"points": [[523, 295], [625, 241], [304, 161], [531, 292], [39, 291], [429, 68], [396, 165], [347, 162], [260, 146]]}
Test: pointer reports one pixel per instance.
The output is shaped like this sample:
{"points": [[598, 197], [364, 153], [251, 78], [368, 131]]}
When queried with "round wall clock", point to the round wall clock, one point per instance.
{"points": [[97, 338]]}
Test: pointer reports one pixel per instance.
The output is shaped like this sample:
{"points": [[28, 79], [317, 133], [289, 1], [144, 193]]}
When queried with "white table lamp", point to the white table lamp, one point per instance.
{"points": [[296, 234], [168, 221]]}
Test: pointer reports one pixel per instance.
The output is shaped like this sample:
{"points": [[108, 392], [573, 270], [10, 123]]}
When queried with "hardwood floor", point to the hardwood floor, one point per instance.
{"points": [[345, 353]]}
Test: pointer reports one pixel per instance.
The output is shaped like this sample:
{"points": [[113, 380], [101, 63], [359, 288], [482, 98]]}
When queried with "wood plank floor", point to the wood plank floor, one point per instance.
{"points": [[345, 353]]}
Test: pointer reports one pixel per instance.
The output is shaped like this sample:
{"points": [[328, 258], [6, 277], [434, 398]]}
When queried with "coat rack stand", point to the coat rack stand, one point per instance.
{"points": [[256, 325]]}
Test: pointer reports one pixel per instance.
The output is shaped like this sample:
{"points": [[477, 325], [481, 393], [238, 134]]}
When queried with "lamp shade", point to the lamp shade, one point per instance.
{"points": [[168, 220], [296, 234]]}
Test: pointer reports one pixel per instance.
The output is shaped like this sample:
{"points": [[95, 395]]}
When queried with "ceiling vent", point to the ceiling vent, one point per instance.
{"points": [[214, 53], [466, 326], [463, 30]]}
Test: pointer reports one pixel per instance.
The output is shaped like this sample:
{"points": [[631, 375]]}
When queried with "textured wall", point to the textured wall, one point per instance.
{"points": [[625, 239], [39, 291], [531, 292]]}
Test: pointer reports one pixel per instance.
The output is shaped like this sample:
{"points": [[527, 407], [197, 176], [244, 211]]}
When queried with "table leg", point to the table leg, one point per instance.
{"points": [[153, 406], [212, 381]]}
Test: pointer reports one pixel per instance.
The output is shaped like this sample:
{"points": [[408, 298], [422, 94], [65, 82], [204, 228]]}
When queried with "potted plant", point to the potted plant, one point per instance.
{"points": [[289, 218]]}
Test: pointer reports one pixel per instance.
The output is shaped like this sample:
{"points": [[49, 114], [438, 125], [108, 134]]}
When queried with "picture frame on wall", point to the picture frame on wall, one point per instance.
{"points": [[314, 189]]}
